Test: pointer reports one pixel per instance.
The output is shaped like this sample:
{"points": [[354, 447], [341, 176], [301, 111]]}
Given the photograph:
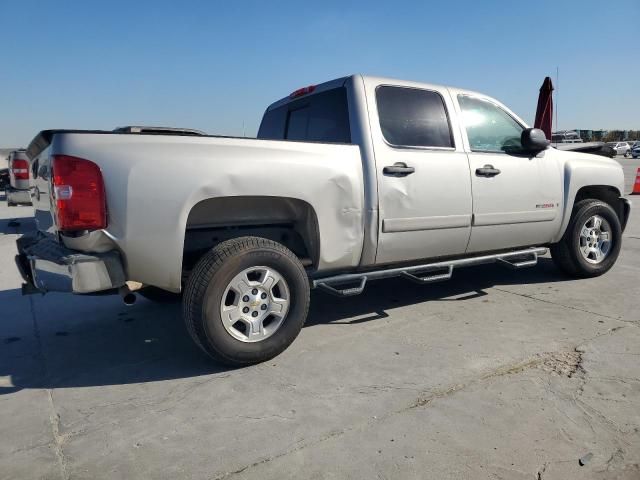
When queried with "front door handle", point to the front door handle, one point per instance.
{"points": [[487, 171], [398, 169]]}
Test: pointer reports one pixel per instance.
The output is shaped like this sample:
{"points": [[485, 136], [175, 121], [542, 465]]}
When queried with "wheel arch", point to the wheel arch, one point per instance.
{"points": [[290, 221], [606, 193]]}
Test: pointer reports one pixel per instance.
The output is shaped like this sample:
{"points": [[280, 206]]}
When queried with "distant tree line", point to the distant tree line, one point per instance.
{"points": [[620, 135]]}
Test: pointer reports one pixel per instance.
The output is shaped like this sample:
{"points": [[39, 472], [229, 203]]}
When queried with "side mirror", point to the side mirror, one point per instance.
{"points": [[534, 140]]}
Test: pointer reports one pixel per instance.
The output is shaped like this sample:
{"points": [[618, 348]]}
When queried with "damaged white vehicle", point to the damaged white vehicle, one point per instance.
{"points": [[351, 180]]}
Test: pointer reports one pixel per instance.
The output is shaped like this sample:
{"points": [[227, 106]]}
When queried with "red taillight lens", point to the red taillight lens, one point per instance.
{"points": [[78, 191], [20, 169]]}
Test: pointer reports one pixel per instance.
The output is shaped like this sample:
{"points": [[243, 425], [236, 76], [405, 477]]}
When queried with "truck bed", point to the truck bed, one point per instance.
{"points": [[153, 182]]}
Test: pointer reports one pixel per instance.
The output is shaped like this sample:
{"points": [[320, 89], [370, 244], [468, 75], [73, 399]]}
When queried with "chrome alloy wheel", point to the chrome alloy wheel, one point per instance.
{"points": [[595, 239], [254, 304]]}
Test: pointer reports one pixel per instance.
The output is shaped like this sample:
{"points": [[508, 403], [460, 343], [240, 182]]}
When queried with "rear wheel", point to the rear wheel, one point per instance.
{"points": [[246, 300], [591, 243]]}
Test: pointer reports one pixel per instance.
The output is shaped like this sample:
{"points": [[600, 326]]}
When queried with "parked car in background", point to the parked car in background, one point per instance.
{"points": [[621, 148], [635, 149], [565, 136], [19, 189], [352, 180]]}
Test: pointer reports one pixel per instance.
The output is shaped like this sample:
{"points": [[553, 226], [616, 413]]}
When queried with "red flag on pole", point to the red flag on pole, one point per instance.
{"points": [[544, 112]]}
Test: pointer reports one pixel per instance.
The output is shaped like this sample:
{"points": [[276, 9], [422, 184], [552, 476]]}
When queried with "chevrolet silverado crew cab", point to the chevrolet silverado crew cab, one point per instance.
{"points": [[351, 180]]}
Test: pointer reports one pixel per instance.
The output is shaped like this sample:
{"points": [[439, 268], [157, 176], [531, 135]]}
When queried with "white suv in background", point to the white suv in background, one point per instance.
{"points": [[621, 148]]}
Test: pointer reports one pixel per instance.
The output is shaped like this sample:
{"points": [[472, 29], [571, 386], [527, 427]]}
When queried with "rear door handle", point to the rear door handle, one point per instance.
{"points": [[398, 169], [487, 171]]}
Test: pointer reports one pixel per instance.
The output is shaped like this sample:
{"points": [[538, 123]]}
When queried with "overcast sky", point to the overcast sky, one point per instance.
{"points": [[216, 65]]}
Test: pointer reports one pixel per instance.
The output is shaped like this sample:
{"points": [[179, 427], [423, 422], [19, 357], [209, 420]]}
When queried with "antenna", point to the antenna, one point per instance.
{"points": [[243, 129], [557, 85]]}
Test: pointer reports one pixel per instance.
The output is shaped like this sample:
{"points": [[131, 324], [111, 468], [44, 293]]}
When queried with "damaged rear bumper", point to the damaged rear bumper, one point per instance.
{"points": [[48, 266]]}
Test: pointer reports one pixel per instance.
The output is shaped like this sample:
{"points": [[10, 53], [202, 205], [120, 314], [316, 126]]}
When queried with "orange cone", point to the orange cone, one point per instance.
{"points": [[636, 186]]}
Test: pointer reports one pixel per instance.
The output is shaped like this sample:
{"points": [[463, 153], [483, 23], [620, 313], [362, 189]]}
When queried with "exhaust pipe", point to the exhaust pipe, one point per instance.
{"points": [[128, 297]]}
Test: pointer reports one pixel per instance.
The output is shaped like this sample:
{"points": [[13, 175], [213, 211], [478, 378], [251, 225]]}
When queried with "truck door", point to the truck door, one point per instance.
{"points": [[516, 197], [424, 187]]}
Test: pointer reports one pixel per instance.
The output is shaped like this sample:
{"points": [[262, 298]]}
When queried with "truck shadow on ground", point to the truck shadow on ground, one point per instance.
{"points": [[466, 284], [17, 226], [92, 341]]}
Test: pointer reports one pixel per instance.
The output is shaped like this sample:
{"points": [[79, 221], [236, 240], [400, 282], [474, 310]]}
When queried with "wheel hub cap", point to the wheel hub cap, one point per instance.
{"points": [[595, 239], [255, 304]]}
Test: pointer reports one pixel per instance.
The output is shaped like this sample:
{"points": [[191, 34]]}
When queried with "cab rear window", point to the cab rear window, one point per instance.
{"points": [[322, 117]]}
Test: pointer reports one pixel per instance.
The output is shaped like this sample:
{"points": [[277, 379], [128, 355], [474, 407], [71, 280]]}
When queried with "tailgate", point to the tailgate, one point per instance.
{"points": [[41, 198], [39, 151]]}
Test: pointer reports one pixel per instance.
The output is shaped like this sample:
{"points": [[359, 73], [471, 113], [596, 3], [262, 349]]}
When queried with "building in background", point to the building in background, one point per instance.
{"points": [[592, 135]]}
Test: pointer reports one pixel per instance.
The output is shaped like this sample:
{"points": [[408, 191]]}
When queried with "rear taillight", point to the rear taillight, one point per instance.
{"points": [[78, 191], [20, 169]]}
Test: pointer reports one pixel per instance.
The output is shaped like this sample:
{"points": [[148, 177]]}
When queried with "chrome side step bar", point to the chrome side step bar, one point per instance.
{"points": [[427, 273]]}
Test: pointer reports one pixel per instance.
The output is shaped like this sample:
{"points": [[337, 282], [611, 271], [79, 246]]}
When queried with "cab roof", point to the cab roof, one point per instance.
{"points": [[372, 79]]}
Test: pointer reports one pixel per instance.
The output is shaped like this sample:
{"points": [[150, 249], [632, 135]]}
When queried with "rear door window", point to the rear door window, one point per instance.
{"points": [[413, 117], [322, 117]]}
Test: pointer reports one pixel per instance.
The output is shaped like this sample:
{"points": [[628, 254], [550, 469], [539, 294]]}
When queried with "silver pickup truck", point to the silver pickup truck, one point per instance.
{"points": [[352, 180]]}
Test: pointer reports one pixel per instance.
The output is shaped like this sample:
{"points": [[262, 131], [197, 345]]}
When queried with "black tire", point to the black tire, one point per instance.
{"points": [[159, 295], [566, 253], [208, 281]]}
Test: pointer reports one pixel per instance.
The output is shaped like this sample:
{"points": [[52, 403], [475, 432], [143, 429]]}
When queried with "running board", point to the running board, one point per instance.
{"points": [[435, 277], [354, 283]]}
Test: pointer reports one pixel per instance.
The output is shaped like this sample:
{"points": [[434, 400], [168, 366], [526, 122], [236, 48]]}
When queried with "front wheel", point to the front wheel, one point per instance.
{"points": [[591, 244], [246, 300]]}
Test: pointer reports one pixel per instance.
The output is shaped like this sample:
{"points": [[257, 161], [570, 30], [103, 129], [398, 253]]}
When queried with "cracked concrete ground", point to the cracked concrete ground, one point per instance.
{"points": [[495, 374]]}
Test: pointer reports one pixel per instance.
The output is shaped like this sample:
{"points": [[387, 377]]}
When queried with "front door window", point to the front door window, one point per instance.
{"points": [[489, 128]]}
